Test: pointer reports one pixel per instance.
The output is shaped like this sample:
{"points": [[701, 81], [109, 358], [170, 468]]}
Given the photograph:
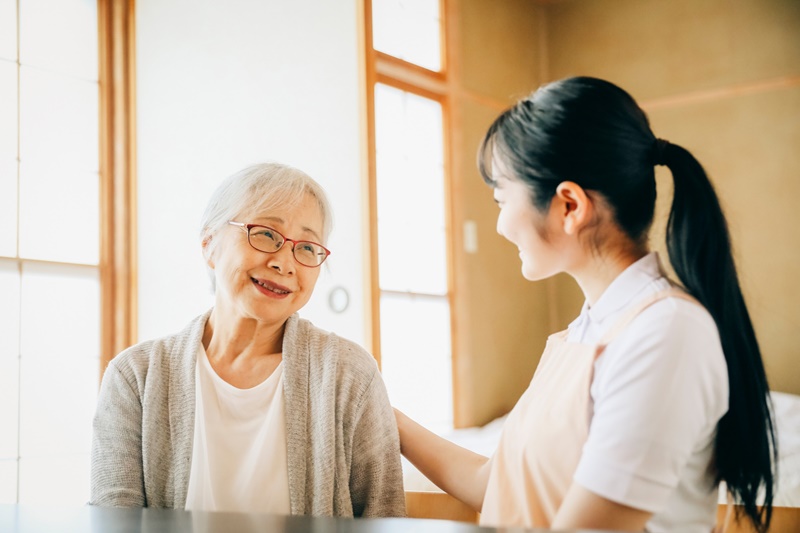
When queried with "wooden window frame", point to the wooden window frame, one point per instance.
{"points": [[118, 261], [378, 67]]}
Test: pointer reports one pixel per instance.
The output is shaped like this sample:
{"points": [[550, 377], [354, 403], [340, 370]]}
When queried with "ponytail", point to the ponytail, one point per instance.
{"points": [[699, 247]]}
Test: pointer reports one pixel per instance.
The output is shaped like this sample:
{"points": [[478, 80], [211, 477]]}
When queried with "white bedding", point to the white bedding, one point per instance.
{"points": [[787, 420], [484, 440]]}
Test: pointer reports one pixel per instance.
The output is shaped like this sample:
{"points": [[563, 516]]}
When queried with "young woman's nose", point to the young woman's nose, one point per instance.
{"points": [[499, 228]]}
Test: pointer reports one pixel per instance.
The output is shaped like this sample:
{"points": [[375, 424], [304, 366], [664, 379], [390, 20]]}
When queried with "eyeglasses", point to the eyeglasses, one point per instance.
{"points": [[270, 240]]}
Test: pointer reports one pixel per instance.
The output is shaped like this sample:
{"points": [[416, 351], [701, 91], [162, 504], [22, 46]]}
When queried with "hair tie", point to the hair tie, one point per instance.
{"points": [[660, 152]]}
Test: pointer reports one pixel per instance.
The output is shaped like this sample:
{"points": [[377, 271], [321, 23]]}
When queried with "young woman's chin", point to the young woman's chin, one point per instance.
{"points": [[530, 273], [537, 271]]}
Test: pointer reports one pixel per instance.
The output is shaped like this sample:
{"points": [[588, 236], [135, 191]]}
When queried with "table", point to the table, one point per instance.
{"points": [[88, 519]]}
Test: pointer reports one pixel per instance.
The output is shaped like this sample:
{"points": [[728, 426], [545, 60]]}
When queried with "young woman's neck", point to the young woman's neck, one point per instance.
{"points": [[600, 268]]}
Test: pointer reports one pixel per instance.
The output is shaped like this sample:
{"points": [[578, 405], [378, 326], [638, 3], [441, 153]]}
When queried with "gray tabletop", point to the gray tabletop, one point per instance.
{"points": [[32, 519]]}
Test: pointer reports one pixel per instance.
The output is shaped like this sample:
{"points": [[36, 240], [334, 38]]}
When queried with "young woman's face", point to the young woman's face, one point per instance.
{"points": [[530, 230], [269, 287]]}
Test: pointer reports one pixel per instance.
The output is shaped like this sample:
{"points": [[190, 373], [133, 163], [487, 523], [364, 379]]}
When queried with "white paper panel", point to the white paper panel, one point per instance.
{"points": [[416, 359], [410, 192], [60, 481], [60, 35], [60, 312], [409, 30], [8, 482], [57, 405]]}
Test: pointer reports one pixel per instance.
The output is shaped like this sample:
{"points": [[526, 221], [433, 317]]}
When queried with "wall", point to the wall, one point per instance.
{"points": [[721, 78], [501, 319], [222, 85]]}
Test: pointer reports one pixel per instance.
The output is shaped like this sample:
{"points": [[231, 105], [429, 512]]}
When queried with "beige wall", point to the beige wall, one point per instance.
{"points": [[721, 78], [501, 320]]}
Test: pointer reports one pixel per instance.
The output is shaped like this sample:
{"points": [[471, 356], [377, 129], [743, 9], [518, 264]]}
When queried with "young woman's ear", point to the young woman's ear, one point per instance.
{"points": [[207, 251], [574, 207]]}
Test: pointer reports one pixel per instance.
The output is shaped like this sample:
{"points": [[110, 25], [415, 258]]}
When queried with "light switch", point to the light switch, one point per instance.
{"points": [[470, 237]]}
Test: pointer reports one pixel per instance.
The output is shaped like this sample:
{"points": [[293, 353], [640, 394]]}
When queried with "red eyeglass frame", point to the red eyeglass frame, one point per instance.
{"points": [[247, 227]]}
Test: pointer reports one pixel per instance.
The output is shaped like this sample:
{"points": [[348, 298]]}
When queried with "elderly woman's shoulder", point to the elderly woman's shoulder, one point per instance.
{"points": [[355, 354], [145, 351], [348, 354], [158, 352]]}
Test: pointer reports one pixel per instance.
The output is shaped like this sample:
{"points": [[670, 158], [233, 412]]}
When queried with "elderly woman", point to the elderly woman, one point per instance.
{"points": [[251, 408]]}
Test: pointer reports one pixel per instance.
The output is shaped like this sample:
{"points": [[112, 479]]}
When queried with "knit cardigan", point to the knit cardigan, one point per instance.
{"points": [[343, 449]]}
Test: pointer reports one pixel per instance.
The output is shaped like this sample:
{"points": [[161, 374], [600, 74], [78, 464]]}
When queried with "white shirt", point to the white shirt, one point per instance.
{"points": [[658, 391], [239, 456]]}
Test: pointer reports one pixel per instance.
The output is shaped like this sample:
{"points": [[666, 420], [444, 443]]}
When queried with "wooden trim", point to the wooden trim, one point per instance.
{"points": [[454, 213], [439, 505], [454, 245], [410, 87], [393, 71], [731, 91], [117, 177], [368, 76], [385, 61], [391, 67], [784, 520], [45, 262], [419, 295], [480, 99], [444, 39]]}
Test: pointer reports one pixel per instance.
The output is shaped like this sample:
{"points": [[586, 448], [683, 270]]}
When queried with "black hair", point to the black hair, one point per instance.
{"points": [[591, 132]]}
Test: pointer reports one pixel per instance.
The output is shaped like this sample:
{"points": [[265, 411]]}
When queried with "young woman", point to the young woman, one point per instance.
{"points": [[656, 393]]}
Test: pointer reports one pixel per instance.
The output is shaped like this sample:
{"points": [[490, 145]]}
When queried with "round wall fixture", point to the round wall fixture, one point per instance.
{"points": [[338, 299]]}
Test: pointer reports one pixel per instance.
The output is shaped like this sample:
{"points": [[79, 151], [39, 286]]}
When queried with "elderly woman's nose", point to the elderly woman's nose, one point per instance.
{"points": [[282, 260]]}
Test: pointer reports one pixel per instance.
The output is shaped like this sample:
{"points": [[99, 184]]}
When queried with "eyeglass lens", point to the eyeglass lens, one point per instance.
{"points": [[267, 240]]}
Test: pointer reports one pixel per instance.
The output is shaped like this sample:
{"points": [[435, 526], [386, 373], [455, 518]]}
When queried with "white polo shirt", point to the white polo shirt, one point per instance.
{"points": [[658, 392]]}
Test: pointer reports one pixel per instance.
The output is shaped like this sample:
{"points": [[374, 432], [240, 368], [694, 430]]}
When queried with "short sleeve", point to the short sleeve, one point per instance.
{"points": [[658, 392]]}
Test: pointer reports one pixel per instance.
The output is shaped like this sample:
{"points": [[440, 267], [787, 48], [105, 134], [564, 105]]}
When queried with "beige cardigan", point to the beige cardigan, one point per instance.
{"points": [[343, 446]]}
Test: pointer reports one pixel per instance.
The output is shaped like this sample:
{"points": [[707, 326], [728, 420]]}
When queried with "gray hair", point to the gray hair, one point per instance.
{"points": [[257, 189]]}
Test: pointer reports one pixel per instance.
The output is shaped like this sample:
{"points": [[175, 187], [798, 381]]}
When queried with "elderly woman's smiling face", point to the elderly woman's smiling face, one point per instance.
{"points": [[268, 287]]}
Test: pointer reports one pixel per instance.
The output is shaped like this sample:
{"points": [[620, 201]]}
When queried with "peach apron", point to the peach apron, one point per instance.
{"points": [[544, 434]]}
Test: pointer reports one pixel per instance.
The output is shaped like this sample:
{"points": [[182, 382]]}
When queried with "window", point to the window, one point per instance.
{"points": [[393, 21], [412, 255], [56, 260], [411, 295]]}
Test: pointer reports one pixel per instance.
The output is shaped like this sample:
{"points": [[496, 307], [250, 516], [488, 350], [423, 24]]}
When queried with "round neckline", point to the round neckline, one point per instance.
{"points": [[276, 375]]}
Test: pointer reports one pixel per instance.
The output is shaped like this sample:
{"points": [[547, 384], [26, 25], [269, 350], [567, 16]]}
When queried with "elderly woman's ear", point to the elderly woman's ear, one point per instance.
{"points": [[208, 254]]}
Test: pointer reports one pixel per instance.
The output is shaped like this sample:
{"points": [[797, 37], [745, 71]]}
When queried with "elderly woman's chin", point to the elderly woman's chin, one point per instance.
{"points": [[262, 308]]}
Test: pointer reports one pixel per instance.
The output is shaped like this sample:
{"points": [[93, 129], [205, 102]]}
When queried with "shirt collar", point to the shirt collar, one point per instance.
{"points": [[625, 288]]}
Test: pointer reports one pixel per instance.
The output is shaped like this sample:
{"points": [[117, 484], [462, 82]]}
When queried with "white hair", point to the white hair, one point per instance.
{"points": [[258, 189]]}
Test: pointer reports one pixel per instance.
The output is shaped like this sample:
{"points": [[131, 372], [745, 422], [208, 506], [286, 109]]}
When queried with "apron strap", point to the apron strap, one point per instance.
{"points": [[672, 292]]}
